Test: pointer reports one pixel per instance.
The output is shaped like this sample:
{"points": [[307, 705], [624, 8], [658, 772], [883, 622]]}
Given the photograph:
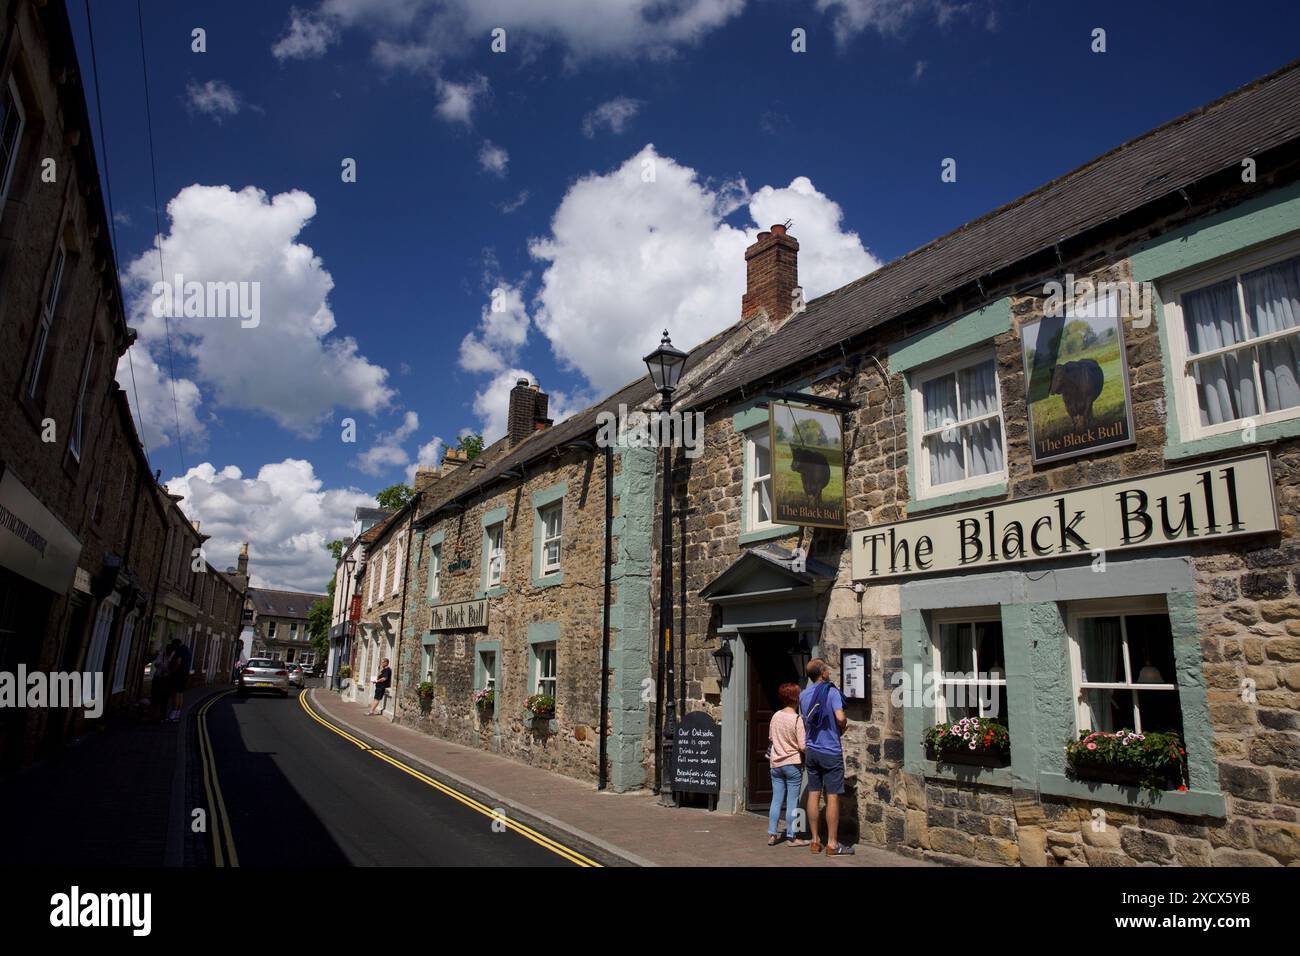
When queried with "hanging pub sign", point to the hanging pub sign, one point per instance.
{"points": [[1221, 499], [1076, 382], [697, 755], [807, 465], [462, 614]]}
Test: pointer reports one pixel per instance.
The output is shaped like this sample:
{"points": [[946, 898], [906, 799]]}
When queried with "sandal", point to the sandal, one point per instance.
{"points": [[840, 849], [796, 841], [773, 839], [816, 846]]}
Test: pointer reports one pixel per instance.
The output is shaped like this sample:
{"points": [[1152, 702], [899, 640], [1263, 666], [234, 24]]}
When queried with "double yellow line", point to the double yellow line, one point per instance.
{"points": [[223, 841], [559, 849]]}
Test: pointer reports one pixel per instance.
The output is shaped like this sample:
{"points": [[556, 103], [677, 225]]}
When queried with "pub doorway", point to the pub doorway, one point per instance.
{"points": [[770, 666]]}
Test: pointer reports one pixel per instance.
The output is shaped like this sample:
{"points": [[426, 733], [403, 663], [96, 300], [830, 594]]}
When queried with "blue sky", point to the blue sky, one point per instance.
{"points": [[523, 171]]}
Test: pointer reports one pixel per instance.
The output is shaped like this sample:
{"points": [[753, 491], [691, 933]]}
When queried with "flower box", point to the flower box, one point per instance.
{"points": [[540, 707], [1151, 761], [970, 741]]}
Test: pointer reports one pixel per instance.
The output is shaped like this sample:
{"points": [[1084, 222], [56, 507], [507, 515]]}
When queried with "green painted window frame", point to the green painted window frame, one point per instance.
{"points": [[428, 658], [480, 672], [432, 542], [544, 632], [936, 346], [1036, 647], [1268, 218], [497, 516], [542, 500]]}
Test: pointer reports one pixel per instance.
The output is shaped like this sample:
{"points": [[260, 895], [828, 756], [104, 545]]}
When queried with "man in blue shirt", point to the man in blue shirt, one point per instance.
{"points": [[822, 708]]}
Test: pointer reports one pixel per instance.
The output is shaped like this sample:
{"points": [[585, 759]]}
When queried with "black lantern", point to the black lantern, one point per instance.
{"points": [[801, 654], [724, 658], [665, 364]]}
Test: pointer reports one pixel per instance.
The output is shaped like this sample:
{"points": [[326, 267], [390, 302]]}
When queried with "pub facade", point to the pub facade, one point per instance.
{"points": [[1066, 452]]}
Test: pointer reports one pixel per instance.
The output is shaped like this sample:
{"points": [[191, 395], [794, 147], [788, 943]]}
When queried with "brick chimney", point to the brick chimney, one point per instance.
{"points": [[452, 459], [242, 564], [426, 478], [527, 414], [771, 275]]}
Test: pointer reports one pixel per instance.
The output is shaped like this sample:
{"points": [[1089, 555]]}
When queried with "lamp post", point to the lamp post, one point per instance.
{"points": [[665, 364]]}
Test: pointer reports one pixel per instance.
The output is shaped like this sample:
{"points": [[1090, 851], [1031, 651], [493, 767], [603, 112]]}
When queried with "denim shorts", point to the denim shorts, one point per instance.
{"points": [[825, 771]]}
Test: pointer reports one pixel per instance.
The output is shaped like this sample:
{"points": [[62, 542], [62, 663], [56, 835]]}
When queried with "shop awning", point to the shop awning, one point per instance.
{"points": [[33, 542]]}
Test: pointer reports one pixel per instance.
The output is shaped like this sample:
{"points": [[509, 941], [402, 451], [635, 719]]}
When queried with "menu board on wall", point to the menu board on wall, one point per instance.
{"points": [[697, 755]]}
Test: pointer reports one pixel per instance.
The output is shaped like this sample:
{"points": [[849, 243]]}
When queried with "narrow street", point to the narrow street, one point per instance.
{"points": [[297, 790]]}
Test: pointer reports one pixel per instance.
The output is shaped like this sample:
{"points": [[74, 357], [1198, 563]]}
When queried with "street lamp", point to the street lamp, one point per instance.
{"points": [[665, 364]]}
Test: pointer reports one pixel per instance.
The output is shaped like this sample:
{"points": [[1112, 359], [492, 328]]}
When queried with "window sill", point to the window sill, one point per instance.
{"points": [[497, 590], [549, 580], [1194, 803], [968, 496], [992, 776], [1176, 450], [767, 534]]}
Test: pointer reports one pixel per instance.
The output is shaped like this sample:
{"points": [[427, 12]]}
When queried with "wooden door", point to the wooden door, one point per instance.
{"points": [[770, 666]]}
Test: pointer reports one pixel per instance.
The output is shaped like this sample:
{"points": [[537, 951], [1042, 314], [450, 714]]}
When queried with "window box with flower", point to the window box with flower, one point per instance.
{"points": [[540, 707], [1154, 761], [970, 741], [485, 701]]}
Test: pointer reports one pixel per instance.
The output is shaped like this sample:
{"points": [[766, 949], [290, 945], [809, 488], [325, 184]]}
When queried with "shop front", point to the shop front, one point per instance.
{"points": [[769, 605]]}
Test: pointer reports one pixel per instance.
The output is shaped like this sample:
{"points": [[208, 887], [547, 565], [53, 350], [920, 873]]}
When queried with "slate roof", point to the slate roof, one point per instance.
{"points": [[282, 603], [1247, 122]]}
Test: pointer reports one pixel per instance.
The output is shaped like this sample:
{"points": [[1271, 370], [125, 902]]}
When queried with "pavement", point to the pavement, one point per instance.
{"points": [[113, 797], [632, 828]]}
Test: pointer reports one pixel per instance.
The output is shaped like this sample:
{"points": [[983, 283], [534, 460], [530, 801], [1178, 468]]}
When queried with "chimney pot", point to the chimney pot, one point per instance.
{"points": [[778, 229]]}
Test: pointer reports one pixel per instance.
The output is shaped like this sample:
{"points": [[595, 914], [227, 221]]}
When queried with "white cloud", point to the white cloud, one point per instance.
{"points": [[889, 17], [387, 451], [626, 257], [501, 333], [613, 115], [511, 205], [214, 98], [493, 159], [457, 101], [139, 374], [307, 36], [289, 367], [284, 512], [452, 28]]}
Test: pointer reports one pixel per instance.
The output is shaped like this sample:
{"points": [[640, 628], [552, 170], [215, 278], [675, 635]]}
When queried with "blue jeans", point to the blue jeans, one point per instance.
{"points": [[785, 786]]}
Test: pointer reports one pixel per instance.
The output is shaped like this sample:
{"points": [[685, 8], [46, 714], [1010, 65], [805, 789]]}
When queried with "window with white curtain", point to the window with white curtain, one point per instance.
{"points": [[496, 553], [383, 572], [552, 519], [758, 466], [399, 561], [544, 672], [1235, 338], [435, 572], [957, 410], [1122, 658], [971, 666]]}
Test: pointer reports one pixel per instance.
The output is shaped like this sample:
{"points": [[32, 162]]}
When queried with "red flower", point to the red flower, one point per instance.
{"points": [[1182, 787]]}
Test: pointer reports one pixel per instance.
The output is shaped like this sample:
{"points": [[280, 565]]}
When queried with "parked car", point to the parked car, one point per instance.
{"points": [[263, 673], [297, 676]]}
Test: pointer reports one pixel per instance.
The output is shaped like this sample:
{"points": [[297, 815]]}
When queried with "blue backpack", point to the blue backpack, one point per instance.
{"points": [[819, 715]]}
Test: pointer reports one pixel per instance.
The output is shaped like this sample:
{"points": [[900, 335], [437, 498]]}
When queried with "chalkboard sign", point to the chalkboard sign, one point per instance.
{"points": [[697, 755]]}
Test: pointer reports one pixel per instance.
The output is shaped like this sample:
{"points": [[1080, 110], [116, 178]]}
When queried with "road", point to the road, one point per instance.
{"points": [[296, 792]]}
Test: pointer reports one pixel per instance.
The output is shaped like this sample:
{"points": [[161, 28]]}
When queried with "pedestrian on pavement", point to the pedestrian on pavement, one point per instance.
{"points": [[786, 740], [822, 707], [180, 676], [160, 689], [381, 685]]}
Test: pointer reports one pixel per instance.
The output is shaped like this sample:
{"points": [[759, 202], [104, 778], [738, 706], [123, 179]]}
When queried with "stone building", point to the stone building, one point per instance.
{"points": [[1035, 562], [279, 623], [345, 614], [381, 585]]}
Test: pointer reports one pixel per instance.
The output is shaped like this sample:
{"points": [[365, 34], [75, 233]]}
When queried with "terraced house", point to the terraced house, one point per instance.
{"points": [[1071, 479]]}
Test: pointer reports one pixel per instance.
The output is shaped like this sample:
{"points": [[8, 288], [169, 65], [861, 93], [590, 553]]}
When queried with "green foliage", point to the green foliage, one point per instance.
{"points": [[1158, 760], [973, 734], [318, 624], [345, 671], [394, 496], [471, 445], [425, 690], [485, 698], [335, 548]]}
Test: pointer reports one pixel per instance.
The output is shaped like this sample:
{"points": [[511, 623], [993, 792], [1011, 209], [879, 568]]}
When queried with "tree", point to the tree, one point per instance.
{"points": [[335, 548], [318, 626], [470, 444], [394, 496]]}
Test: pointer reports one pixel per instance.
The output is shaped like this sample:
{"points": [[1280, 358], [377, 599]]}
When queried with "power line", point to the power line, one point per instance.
{"points": [[157, 218], [112, 218]]}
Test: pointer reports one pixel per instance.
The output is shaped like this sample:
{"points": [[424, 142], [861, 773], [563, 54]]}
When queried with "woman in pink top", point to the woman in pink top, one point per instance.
{"points": [[784, 753]]}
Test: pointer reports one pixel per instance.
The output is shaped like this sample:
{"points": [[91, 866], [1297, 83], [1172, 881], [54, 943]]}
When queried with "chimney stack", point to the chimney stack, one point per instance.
{"points": [[771, 276], [242, 565], [453, 459], [426, 478], [527, 414]]}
